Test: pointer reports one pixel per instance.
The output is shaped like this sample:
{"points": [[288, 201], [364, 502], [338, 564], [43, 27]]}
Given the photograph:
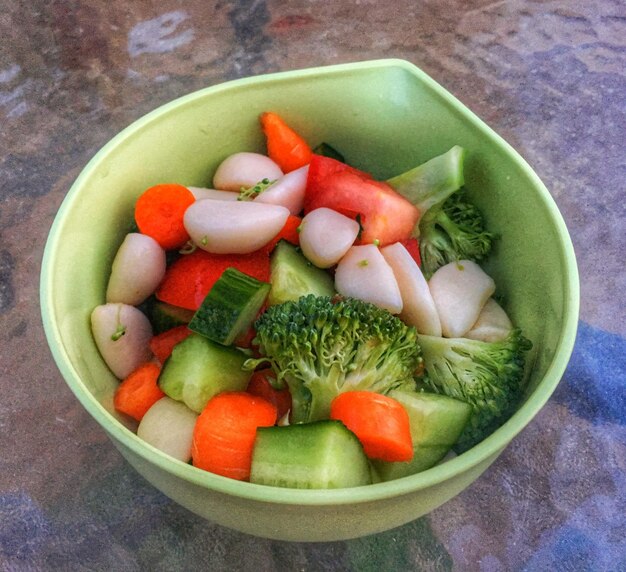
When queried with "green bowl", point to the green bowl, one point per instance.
{"points": [[385, 116]]}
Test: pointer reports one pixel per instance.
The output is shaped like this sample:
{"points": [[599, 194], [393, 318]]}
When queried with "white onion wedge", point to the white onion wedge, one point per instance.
{"points": [[201, 193], [460, 290], [418, 307], [244, 170], [168, 425], [363, 273], [137, 269], [233, 227], [326, 235], [122, 334], [288, 191], [492, 325]]}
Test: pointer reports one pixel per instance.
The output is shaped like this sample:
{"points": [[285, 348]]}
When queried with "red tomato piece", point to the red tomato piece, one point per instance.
{"points": [[413, 248], [384, 214], [188, 280], [260, 386]]}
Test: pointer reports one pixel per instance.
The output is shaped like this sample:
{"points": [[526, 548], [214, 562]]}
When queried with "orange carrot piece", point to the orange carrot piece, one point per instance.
{"points": [[159, 213], [139, 391], [289, 232], [284, 146], [378, 421], [223, 438], [163, 344], [260, 385]]}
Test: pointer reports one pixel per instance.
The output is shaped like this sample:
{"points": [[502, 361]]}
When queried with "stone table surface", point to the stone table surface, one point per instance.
{"points": [[550, 76]]}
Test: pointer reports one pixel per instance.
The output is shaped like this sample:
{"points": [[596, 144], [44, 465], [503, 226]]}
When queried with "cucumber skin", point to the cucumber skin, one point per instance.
{"points": [[318, 455], [436, 423], [199, 369], [164, 316], [230, 307], [293, 276]]}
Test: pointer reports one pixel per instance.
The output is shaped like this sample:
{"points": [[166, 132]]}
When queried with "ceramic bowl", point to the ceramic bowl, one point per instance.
{"points": [[385, 116]]}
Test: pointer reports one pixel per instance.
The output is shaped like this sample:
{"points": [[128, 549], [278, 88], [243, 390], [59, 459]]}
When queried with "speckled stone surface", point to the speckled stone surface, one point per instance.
{"points": [[550, 76]]}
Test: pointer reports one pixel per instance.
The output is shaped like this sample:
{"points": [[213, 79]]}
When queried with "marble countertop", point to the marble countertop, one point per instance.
{"points": [[549, 76]]}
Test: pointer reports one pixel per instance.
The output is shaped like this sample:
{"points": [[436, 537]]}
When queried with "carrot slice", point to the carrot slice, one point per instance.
{"points": [[289, 232], [260, 385], [284, 146], [223, 438], [378, 421], [163, 344], [188, 280], [159, 213], [139, 391]]}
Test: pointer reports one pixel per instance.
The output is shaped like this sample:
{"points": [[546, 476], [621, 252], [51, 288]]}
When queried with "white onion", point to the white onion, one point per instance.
{"points": [[418, 307], [168, 425], [288, 191], [326, 235], [492, 325], [137, 269], [122, 334], [225, 227], [201, 193], [245, 170], [460, 290], [363, 273]]}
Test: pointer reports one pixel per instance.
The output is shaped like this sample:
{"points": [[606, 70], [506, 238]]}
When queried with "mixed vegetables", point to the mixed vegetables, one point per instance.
{"points": [[304, 325]]}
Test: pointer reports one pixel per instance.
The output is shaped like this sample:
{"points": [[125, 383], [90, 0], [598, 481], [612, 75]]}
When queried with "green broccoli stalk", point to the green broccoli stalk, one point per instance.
{"points": [[321, 347], [453, 230], [250, 193], [487, 375], [432, 182]]}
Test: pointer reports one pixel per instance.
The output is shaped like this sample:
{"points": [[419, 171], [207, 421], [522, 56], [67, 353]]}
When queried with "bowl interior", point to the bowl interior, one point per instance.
{"points": [[385, 117]]}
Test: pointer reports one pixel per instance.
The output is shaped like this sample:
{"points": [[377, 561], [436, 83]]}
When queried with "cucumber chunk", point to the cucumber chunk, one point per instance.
{"points": [[165, 316], [319, 455], [293, 276], [436, 423], [198, 369], [230, 307]]}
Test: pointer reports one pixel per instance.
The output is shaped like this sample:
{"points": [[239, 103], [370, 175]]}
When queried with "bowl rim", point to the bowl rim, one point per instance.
{"points": [[489, 448]]}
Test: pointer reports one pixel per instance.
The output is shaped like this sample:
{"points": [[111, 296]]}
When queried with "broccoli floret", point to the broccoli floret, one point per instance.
{"points": [[453, 230], [322, 346], [487, 375]]}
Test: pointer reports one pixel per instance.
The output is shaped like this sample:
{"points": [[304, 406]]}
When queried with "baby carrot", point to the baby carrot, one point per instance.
{"points": [[223, 438], [159, 213], [378, 421], [139, 391], [284, 146]]}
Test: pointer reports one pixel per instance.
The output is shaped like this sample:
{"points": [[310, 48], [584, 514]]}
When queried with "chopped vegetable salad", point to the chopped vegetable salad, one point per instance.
{"points": [[301, 324]]}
